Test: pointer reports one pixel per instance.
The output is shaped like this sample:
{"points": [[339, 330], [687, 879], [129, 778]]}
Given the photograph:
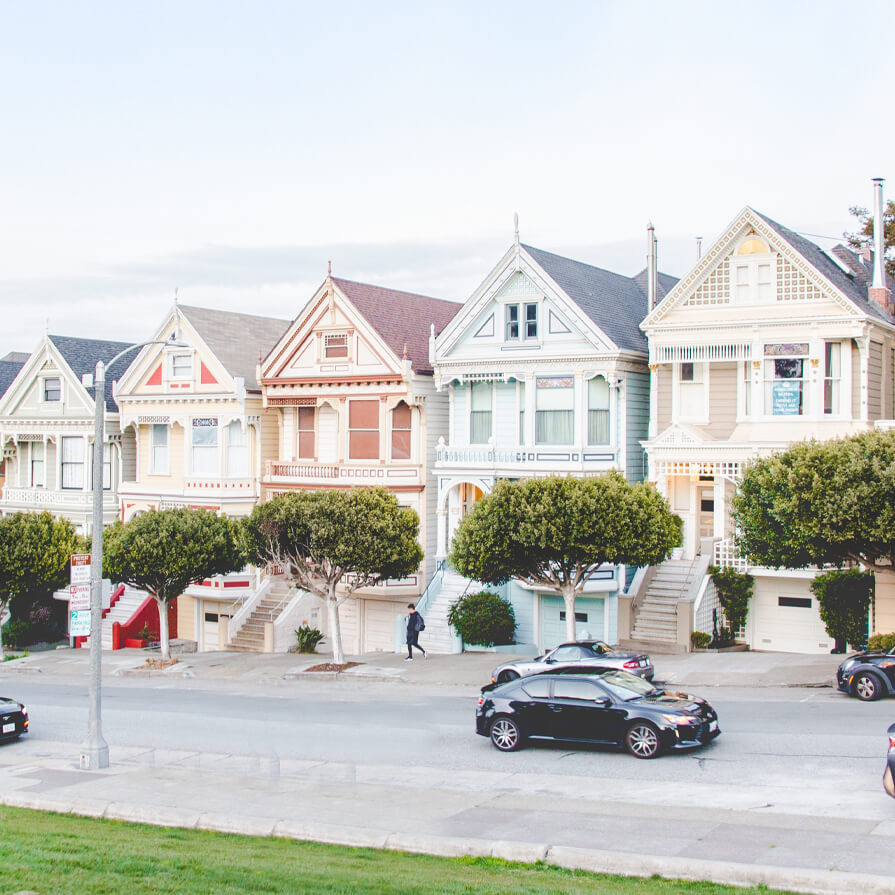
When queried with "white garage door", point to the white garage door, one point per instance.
{"points": [[787, 622], [379, 625]]}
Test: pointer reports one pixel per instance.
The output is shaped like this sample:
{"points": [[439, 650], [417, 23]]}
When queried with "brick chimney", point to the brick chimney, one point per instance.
{"points": [[878, 291]]}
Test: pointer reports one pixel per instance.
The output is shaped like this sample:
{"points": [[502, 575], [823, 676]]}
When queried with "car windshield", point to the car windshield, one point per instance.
{"points": [[624, 685]]}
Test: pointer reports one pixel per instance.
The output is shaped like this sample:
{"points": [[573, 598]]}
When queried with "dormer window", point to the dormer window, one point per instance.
{"points": [[181, 366], [521, 321], [753, 273], [335, 345], [52, 389]]}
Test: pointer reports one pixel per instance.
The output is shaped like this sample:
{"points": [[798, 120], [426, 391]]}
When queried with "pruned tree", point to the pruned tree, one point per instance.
{"points": [[332, 543], [828, 503], [554, 533], [163, 551], [35, 549], [864, 236]]}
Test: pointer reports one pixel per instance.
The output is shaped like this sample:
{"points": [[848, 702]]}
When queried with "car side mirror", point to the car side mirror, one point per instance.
{"points": [[550, 660]]}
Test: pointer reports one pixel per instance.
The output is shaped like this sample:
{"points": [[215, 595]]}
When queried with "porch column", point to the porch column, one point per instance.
{"points": [[720, 512], [653, 400], [863, 344], [441, 520]]}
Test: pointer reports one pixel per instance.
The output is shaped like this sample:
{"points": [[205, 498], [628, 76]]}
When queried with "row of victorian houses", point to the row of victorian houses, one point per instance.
{"points": [[551, 366]]}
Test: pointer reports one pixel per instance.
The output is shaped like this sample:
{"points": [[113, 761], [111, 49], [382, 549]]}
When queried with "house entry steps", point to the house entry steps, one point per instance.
{"points": [[438, 637], [250, 637], [656, 617]]}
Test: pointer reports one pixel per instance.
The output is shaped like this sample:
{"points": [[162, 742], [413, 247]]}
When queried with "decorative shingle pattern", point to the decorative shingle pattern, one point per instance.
{"points": [[82, 356], [237, 339], [402, 319], [614, 302]]}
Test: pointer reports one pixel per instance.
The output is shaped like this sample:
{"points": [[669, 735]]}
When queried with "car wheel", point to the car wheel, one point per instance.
{"points": [[506, 676], [642, 740], [505, 734], [867, 688]]}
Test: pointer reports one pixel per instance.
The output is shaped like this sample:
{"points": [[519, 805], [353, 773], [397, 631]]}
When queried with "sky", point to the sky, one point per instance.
{"points": [[229, 150]]}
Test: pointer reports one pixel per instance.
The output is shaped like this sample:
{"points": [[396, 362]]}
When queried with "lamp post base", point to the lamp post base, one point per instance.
{"points": [[94, 756]]}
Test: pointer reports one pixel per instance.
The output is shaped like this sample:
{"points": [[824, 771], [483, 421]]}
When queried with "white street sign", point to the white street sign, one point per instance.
{"points": [[80, 568], [79, 625], [78, 597]]}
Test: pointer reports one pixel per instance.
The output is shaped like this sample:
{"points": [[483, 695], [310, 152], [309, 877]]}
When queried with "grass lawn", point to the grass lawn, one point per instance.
{"points": [[56, 853]]}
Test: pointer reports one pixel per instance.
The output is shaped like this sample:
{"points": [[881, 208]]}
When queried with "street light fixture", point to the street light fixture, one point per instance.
{"points": [[95, 751]]}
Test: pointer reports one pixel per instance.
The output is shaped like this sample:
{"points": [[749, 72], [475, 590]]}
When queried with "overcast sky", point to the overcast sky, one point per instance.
{"points": [[230, 149]]}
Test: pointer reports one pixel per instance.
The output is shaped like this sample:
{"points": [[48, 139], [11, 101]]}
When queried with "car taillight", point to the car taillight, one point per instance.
{"points": [[634, 663], [892, 742], [481, 701]]}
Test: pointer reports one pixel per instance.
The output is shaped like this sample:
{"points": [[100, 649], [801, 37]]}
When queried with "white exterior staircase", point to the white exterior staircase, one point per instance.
{"points": [[438, 636], [250, 636], [656, 617]]}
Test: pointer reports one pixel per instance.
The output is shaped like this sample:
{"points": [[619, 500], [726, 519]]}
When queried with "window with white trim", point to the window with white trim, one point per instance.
{"points": [[52, 389], [363, 430], [753, 273], [785, 379], [480, 405], [554, 410], [237, 450], [181, 366], [306, 433], [335, 345], [520, 391], [205, 455], [107, 467], [521, 321], [158, 449], [598, 411], [37, 453], [691, 389], [747, 387], [402, 418], [73, 457], [832, 376]]}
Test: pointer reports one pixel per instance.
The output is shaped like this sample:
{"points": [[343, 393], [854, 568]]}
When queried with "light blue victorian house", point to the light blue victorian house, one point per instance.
{"points": [[546, 372]]}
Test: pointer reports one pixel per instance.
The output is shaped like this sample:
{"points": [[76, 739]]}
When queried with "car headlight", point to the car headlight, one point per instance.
{"points": [[682, 720], [848, 664]]}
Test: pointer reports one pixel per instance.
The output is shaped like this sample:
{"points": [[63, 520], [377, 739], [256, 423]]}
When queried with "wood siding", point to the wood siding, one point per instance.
{"points": [[636, 423], [875, 381], [663, 398], [722, 381]]}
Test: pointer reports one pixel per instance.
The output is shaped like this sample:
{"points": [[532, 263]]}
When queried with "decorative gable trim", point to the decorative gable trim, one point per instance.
{"points": [[206, 377], [156, 377], [486, 329]]}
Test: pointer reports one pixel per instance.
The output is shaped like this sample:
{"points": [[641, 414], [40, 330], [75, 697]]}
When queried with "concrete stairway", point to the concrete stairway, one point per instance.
{"points": [[250, 637], [655, 620], [125, 606], [437, 637]]}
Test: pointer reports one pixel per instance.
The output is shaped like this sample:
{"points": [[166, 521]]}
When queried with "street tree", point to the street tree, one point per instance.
{"points": [[829, 503], [35, 549], [864, 236], [332, 543], [163, 551], [554, 533]]}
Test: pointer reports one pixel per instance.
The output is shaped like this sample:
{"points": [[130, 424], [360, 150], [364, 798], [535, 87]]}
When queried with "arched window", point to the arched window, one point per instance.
{"points": [[754, 245], [401, 423], [598, 411]]}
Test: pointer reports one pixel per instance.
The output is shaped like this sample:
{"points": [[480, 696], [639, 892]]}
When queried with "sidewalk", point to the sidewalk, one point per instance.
{"points": [[470, 669]]}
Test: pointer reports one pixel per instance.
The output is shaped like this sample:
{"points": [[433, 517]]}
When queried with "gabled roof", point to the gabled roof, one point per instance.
{"points": [[236, 340], [402, 319], [614, 302], [82, 355], [853, 287], [9, 369]]}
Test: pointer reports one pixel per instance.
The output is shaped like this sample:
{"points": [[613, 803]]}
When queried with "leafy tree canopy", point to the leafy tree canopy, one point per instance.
{"points": [[821, 503], [319, 538], [864, 236]]}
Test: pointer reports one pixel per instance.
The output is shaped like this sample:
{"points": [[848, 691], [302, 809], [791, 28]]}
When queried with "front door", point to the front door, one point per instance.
{"points": [[705, 500]]}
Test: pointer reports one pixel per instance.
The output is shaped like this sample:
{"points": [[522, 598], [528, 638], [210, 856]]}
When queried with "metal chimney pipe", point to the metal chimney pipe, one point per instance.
{"points": [[651, 266], [879, 243]]}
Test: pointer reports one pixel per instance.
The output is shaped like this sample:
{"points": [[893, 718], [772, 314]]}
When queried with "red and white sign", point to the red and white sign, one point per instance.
{"points": [[80, 568], [78, 597]]}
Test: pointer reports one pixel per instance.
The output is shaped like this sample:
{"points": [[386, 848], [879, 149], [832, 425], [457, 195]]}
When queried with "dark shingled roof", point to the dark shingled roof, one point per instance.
{"points": [[402, 319], [19, 357], [9, 369], [854, 289], [82, 356], [614, 302], [237, 339]]}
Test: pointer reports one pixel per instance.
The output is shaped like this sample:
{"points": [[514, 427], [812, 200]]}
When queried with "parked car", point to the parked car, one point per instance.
{"points": [[611, 706], [596, 653], [889, 773], [13, 719], [868, 675]]}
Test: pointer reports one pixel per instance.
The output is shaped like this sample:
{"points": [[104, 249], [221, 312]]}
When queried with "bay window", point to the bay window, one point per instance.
{"points": [[832, 375], [401, 421], [73, 455], [554, 410], [158, 449], [692, 391], [107, 467], [363, 430], [598, 411], [306, 433], [521, 398], [205, 446], [38, 449], [784, 379], [237, 450], [480, 401]]}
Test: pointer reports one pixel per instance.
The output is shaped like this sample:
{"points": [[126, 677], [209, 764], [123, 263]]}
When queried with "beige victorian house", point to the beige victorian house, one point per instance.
{"points": [[768, 340]]}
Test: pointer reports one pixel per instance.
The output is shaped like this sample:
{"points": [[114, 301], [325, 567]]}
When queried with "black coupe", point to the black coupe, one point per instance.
{"points": [[611, 706], [13, 719], [889, 773], [868, 675]]}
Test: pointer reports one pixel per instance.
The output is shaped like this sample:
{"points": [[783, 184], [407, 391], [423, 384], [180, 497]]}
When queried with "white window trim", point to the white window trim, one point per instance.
{"points": [[752, 263], [701, 373], [168, 367], [809, 381], [522, 338], [167, 465], [43, 380]]}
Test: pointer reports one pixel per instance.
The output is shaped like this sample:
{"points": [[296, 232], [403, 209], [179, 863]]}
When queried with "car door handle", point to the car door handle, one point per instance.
{"points": [[555, 708]]}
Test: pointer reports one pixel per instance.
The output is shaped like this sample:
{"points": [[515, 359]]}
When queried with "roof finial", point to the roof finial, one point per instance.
{"points": [[516, 228], [175, 296], [329, 268], [47, 326], [405, 351]]}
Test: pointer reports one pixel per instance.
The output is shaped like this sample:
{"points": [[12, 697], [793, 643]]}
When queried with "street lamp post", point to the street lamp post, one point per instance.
{"points": [[95, 751]]}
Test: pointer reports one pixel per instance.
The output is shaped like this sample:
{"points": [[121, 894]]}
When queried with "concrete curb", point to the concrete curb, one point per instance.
{"points": [[811, 882]]}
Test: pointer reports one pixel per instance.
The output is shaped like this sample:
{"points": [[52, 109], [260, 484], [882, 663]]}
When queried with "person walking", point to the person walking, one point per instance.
{"points": [[415, 624]]}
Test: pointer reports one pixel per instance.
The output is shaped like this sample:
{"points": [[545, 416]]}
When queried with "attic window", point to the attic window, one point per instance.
{"points": [[753, 246], [335, 345], [52, 389], [181, 366]]}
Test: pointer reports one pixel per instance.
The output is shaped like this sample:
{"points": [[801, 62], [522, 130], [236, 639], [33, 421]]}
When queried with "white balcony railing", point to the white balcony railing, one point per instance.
{"points": [[546, 456], [344, 473], [47, 498]]}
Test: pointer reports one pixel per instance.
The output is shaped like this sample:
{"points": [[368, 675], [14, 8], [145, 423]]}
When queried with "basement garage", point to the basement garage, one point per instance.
{"points": [[784, 617]]}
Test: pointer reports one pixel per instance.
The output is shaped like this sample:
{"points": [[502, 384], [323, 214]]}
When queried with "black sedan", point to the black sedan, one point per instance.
{"points": [[868, 675], [889, 773], [593, 653], [611, 706], [13, 719]]}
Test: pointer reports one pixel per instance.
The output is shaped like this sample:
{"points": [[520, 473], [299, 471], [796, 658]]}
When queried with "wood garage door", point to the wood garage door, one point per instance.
{"points": [[379, 625], [788, 621]]}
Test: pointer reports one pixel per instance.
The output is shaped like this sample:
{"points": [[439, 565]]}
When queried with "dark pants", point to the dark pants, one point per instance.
{"points": [[412, 642]]}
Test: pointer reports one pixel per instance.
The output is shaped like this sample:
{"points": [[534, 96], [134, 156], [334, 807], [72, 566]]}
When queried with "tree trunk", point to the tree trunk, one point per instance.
{"points": [[163, 627], [335, 632], [2, 610], [568, 595]]}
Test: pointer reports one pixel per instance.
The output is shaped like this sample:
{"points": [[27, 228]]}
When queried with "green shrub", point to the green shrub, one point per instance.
{"points": [[16, 633], [483, 618], [307, 638], [700, 640], [883, 642], [734, 592], [844, 597]]}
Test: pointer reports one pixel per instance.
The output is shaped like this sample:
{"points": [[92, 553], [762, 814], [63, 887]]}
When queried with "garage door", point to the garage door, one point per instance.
{"points": [[348, 625], [788, 622], [379, 625], [588, 620]]}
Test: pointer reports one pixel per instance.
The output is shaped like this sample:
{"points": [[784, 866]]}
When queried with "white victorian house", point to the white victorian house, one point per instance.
{"points": [[546, 372], [766, 341]]}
